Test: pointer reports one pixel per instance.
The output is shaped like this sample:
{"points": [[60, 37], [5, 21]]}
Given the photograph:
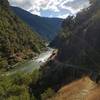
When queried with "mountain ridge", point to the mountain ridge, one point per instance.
{"points": [[78, 42], [46, 27]]}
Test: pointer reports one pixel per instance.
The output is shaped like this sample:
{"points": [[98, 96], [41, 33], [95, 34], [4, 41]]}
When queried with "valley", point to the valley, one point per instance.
{"points": [[50, 58], [35, 63]]}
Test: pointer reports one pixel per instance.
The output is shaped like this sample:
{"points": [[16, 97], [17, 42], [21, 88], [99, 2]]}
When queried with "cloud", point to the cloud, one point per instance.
{"points": [[76, 5], [63, 16], [25, 4], [55, 8]]}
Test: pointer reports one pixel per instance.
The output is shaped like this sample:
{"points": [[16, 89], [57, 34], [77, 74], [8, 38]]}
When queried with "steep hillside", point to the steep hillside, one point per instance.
{"points": [[46, 27], [17, 41], [79, 40], [83, 89], [78, 55]]}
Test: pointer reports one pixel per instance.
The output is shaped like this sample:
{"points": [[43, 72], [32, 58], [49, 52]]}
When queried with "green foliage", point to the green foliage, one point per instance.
{"points": [[33, 98], [36, 75], [3, 63], [10, 90], [17, 86], [47, 94], [16, 37], [21, 79]]}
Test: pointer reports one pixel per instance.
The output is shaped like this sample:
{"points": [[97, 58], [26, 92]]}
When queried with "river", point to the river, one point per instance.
{"points": [[33, 64]]}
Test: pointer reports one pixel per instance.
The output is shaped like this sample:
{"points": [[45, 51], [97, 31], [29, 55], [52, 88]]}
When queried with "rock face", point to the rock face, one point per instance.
{"points": [[79, 41], [15, 36], [46, 27]]}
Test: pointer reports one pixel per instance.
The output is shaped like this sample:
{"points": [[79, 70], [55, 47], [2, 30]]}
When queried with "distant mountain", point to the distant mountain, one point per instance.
{"points": [[17, 40], [46, 27]]}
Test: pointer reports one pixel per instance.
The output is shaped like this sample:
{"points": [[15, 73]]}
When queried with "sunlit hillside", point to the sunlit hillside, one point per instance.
{"points": [[83, 89]]}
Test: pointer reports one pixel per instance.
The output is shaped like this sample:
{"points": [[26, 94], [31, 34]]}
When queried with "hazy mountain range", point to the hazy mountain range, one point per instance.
{"points": [[46, 27]]}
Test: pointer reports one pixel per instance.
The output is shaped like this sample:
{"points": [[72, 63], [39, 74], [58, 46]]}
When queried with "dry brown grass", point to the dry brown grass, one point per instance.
{"points": [[94, 94], [79, 90]]}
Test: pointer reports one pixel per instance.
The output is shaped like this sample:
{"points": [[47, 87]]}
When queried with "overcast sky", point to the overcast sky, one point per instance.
{"points": [[51, 8]]}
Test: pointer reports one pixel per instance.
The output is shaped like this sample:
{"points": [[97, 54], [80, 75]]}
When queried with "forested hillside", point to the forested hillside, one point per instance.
{"points": [[80, 37], [17, 41], [46, 27]]}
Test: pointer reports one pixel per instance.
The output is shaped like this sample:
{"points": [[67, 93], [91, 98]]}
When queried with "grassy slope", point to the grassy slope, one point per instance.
{"points": [[83, 89]]}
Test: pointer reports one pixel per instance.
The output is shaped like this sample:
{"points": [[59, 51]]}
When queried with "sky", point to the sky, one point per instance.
{"points": [[51, 8]]}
